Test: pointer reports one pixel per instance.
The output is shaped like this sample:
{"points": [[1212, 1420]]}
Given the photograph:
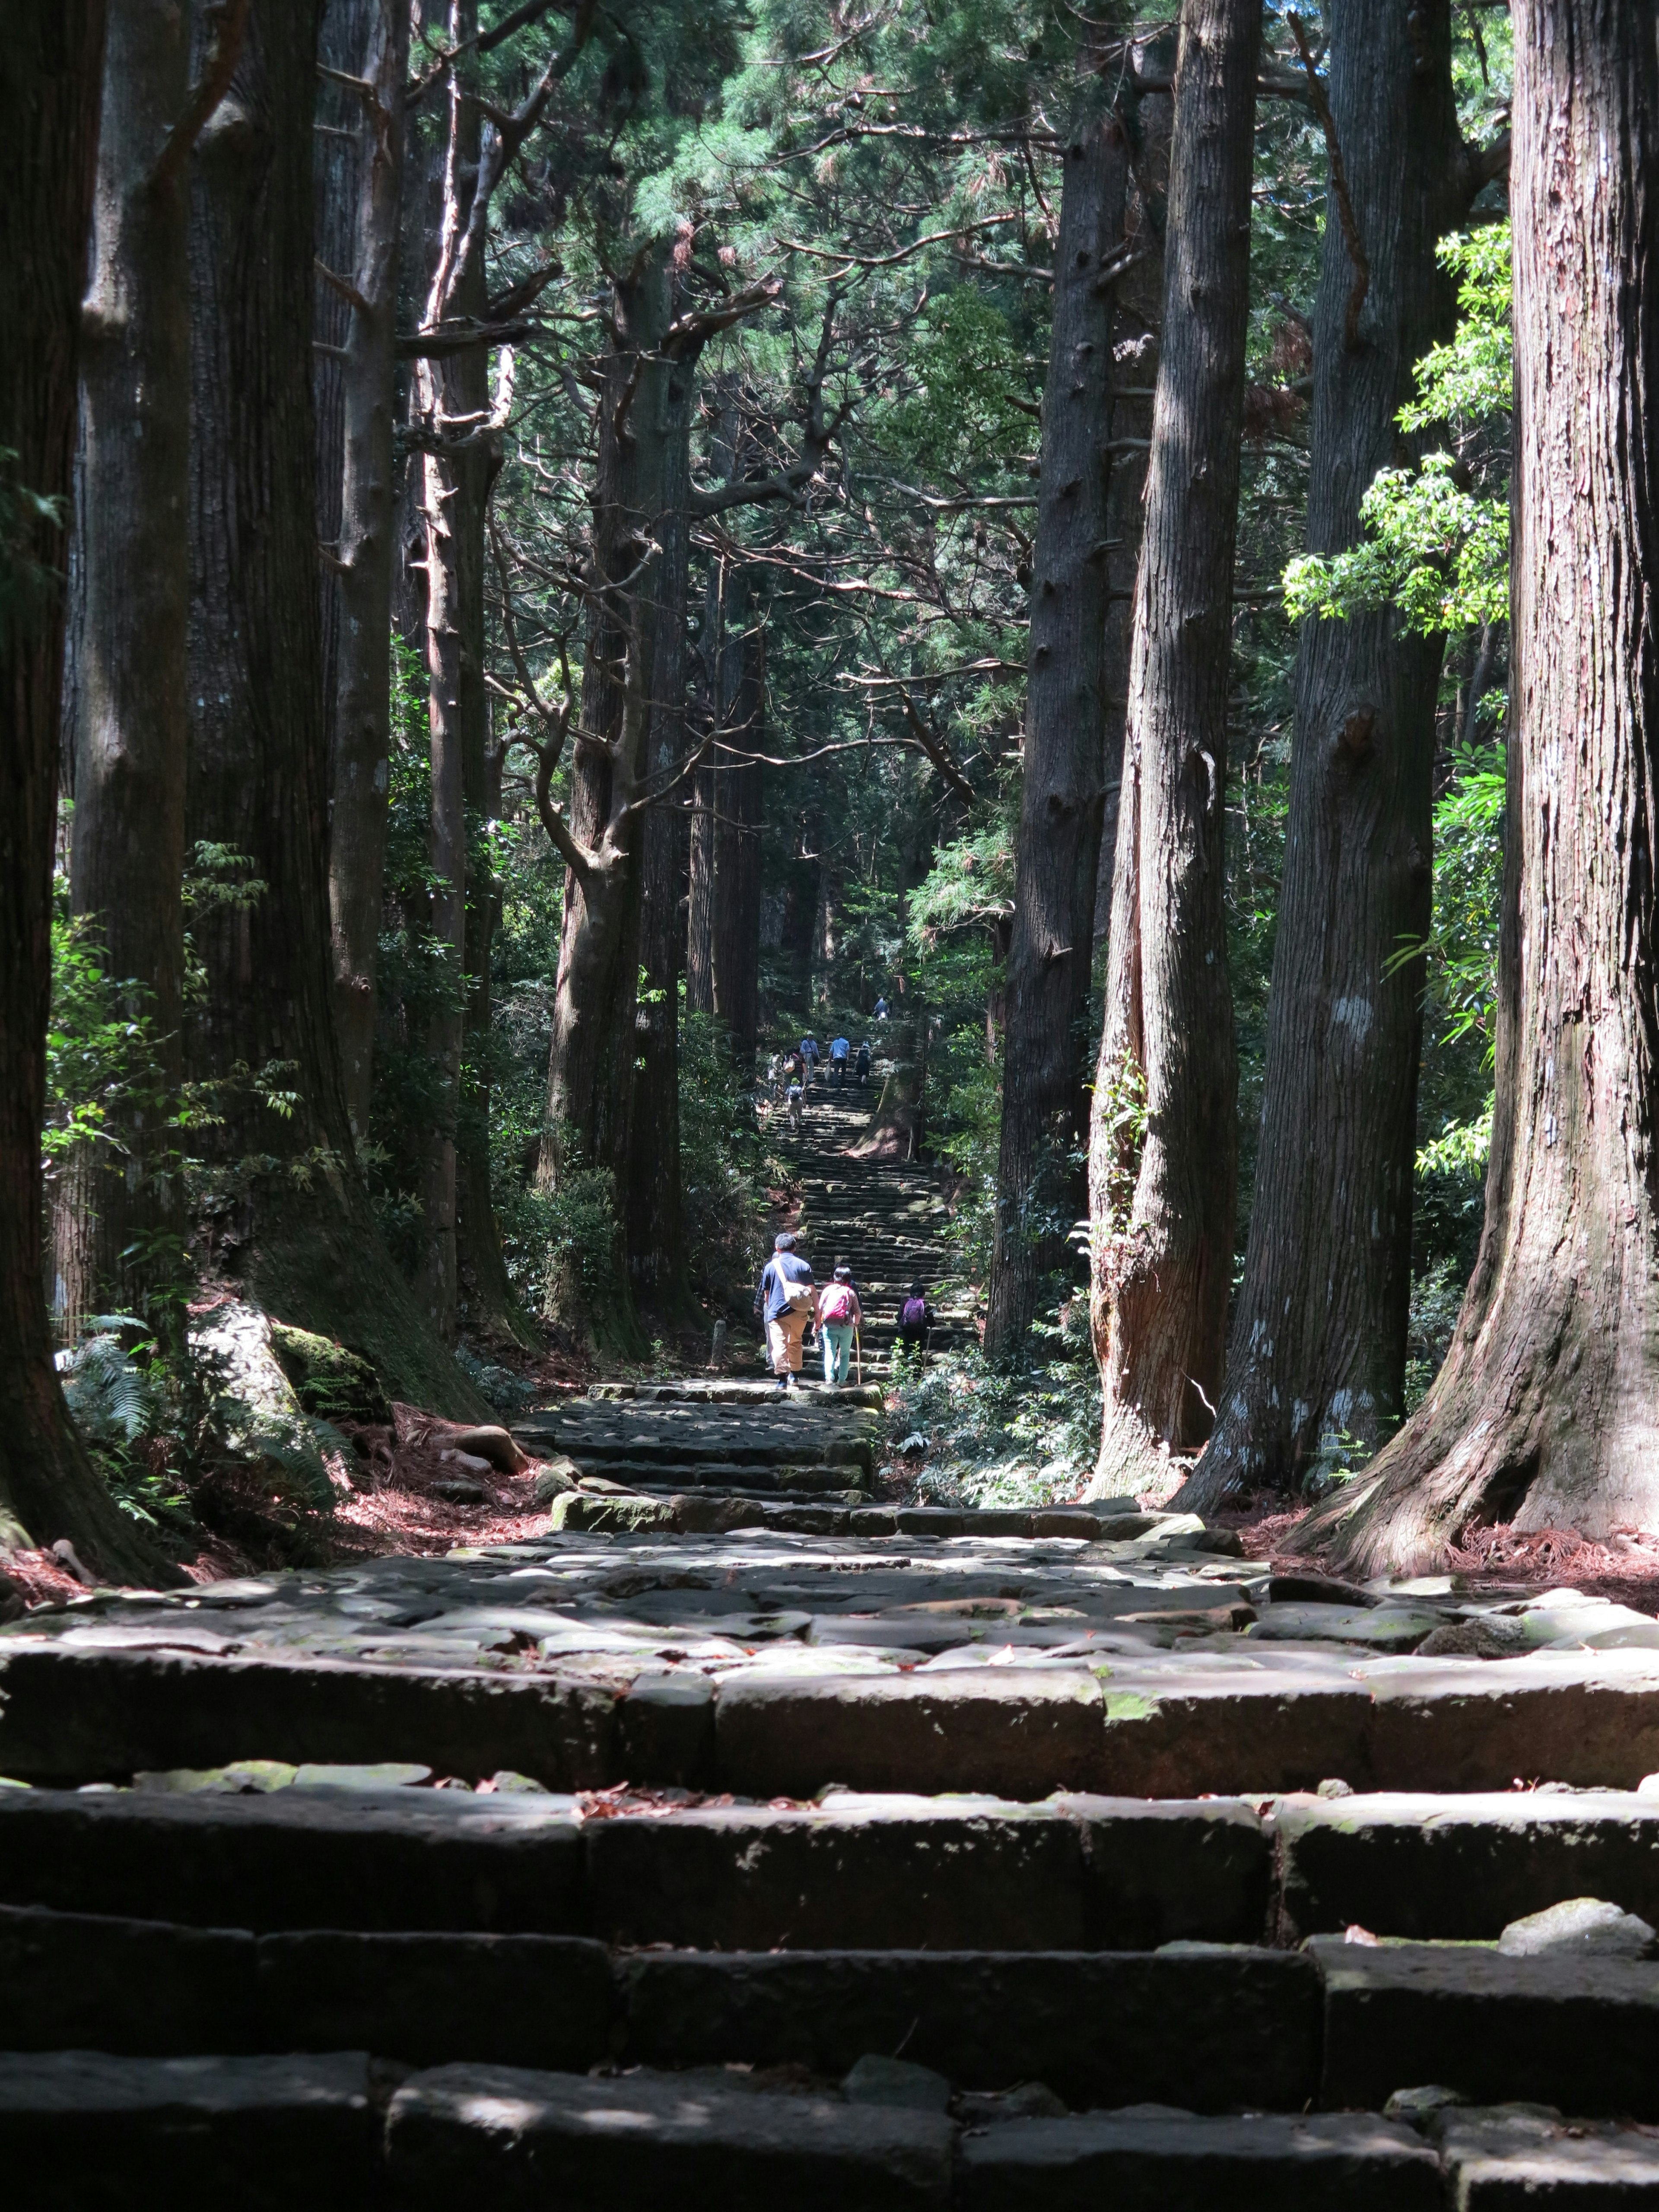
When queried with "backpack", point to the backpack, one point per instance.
{"points": [[912, 1314], [836, 1303], [800, 1297]]}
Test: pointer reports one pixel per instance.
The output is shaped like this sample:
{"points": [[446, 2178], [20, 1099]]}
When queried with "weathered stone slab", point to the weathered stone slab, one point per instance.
{"points": [[1259, 2163], [429, 1999], [1006, 1730], [1210, 2029], [666, 1731], [866, 1875], [75, 1981], [1170, 1870], [75, 1716], [1175, 1729], [510, 2138], [1512, 2161], [294, 1858], [1590, 1718], [82, 2131], [1448, 1865], [1581, 2034]]}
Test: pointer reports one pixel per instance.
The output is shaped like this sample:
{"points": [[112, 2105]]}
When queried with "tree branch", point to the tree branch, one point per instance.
{"points": [[229, 20]]}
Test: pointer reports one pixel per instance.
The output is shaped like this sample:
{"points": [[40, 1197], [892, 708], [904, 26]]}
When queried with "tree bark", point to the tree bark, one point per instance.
{"points": [[287, 1205], [654, 1224], [1057, 851], [589, 1062], [740, 799], [132, 580], [373, 43], [1546, 1410], [1318, 1340], [1136, 314], [451, 399], [48, 95], [1159, 1280]]}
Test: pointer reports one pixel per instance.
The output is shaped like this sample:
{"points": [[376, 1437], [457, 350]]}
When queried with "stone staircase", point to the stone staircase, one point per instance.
{"points": [[884, 1219], [867, 1869]]}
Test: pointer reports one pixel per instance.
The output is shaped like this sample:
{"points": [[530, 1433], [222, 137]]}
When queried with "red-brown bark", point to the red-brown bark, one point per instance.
{"points": [[1546, 1410], [1162, 1187]]}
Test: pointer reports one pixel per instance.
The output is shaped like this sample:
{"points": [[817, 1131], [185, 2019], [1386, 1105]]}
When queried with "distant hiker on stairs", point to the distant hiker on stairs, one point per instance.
{"points": [[839, 1315], [840, 1053], [784, 1299], [862, 1068]]}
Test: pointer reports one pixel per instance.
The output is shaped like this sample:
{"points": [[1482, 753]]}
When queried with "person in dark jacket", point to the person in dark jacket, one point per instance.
{"points": [[861, 1064], [915, 1319], [785, 1299]]}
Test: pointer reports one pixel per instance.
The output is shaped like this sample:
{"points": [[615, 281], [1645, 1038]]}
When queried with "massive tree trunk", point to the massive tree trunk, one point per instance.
{"points": [[1137, 314], [589, 1063], [654, 1226], [1546, 1410], [371, 38], [1162, 1142], [1318, 1339], [452, 403], [123, 1223], [1057, 853], [49, 96], [286, 1207], [740, 798]]}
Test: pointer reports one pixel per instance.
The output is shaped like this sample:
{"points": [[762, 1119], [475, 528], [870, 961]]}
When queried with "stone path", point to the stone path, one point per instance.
{"points": [[740, 1836]]}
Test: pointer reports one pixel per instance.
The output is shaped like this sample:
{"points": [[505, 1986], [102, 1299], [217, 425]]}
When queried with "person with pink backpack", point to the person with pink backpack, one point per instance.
{"points": [[839, 1315]]}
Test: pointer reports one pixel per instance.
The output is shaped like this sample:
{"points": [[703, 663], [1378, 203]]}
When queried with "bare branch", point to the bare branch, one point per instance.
{"points": [[229, 20]]}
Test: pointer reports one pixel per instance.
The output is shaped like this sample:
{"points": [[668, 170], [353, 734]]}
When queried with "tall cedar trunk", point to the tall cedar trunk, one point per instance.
{"points": [[1137, 314], [740, 801], [654, 1221], [700, 890], [452, 397], [589, 1060], [1546, 1410], [1057, 854], [1160, 1279], [721, 583], [371, 38], [48, 95], [289, 1211], [132, 577], [488, 1301], [1318, 1339]]}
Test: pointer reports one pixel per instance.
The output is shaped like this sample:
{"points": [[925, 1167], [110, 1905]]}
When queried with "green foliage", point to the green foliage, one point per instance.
{"points": [[1437, 546], [996, 1439], [100, 1053]]}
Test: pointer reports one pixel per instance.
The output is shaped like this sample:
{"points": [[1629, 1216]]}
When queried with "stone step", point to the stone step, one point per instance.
{"points": [[721, 1454], [871, 1874], [1144, 1724], [1213, 2030], [678, 1515], [845, 1484], [690, 1391], [80, 2129]]}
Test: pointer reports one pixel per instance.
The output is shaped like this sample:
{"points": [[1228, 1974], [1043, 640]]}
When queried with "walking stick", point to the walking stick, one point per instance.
{"points": [[858, 1354]]}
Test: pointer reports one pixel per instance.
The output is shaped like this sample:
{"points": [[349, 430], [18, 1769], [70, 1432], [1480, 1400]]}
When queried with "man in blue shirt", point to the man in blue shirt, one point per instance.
{"points": [[784, 1299], [839, 1050]]}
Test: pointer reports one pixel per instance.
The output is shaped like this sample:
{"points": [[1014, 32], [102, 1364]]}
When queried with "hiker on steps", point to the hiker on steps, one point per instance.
{"points": [[915, 1319], [840, 1053], [839, 1315], [785, 1299], [810, 1057], [861, 1069]]}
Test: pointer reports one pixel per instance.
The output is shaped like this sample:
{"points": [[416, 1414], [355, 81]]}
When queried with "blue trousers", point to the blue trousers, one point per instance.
{"points": [[837, 1349]]}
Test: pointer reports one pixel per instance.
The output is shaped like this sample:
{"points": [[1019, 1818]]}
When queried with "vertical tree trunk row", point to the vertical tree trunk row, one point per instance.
{"points": [[1546, 1410], [1162, 1146], [132, 571], [50, 62], [1318, 1342], [288, 1207], [373, 39], [1057, 853], [740, 798]]}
